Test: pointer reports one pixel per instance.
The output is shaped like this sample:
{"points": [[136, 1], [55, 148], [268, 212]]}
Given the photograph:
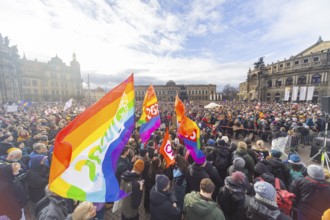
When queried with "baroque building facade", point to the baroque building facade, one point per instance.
{"points": [[303, 77], [10, 88], [168, 92], [31, 80]]}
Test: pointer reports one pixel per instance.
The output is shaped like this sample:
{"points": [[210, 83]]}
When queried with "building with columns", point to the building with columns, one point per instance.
{"points": [[303, 77], [169, 91]]}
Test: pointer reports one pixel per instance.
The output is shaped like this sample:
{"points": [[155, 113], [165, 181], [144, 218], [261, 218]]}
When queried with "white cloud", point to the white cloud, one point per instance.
{"points": [[151, 39]]}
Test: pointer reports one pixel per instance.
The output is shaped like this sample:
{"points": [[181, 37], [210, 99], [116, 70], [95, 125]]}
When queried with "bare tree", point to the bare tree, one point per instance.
{"points": [[229, 92]]}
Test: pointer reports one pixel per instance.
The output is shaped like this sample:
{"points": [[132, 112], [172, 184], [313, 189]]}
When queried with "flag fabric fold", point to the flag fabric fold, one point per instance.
{"points": [[150, 119], [166, 150], [68, 105], [87, 150], [179, 109], [190, 133]]}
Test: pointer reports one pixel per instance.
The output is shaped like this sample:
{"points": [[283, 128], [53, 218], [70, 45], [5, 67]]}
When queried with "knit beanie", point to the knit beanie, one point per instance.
{"points": [[316, 172], [138, 166], [265, 192], [161, 182], [239, 162], [276, 153], [236, 180]]}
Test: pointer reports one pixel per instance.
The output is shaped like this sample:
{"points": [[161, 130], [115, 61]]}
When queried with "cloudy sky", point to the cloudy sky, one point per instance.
{"points": [[188, 41]]}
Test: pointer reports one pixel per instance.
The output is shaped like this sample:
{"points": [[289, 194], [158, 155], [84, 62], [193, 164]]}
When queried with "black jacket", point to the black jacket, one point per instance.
{"points": [[131, 203], [123, 165], [279, 169], [194, 176], [257, 210], [161, 205], [37, 181], [269, 178], [312, 197]]}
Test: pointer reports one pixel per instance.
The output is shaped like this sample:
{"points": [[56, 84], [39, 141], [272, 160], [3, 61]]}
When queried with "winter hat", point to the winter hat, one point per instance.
{"points": [[138, 166], [161, 182], [265, 192], [236, 180], [241, 146], [247, 140], [239, 162], [225, 138], [35, 161], [210, 142], [316, 172], [276, 153], [294, 158]]}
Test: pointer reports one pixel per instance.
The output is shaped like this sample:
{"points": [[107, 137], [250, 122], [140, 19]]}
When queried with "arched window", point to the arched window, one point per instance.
{"points": [[268, 96], [302, 80], [269, 83], [316, 79], [278, 83], [289, 81]]}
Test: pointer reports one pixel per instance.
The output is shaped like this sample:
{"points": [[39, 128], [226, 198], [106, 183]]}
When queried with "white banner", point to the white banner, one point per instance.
{"points": [[294, 94], [12, 108], [280, 144], [68, 105], [287, 94], [302, 95], [211, 97], [310, 92]]}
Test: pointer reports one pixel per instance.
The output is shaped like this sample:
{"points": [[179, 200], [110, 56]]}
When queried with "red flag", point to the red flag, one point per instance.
{"points": [[166, 150]]}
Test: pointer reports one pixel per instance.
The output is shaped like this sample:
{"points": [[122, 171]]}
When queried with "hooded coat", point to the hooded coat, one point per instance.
{"points": [[37, 178], [161, 205], [197, 207], [131, 203]]}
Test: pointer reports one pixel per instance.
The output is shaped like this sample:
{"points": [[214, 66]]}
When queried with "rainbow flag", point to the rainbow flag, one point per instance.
{"points": [[86, 151], [150, 119], [179, 109], [190, 133]]}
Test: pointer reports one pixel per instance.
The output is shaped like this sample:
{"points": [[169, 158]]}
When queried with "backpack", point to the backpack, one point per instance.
{"points": [[284, 198]]}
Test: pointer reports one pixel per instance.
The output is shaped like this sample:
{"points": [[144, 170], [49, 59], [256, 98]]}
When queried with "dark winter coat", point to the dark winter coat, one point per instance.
{"points": [[279, 169], [194, 176], [269, 178], [312, 197], [258, 210], [231, 200], [215, 177], [131, 203], [249, 163], [37, 180], [123, 165], [9, 204], [161, 205], [56, 210]]}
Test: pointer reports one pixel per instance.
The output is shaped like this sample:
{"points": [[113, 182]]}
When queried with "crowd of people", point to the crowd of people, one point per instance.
{"points": [[240, 178]]}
